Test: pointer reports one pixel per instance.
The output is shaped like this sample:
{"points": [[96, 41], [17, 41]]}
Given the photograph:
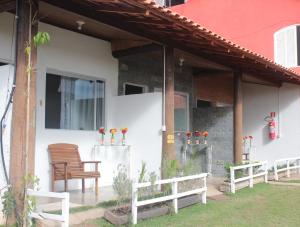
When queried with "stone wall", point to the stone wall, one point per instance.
{"points": [[147, 69], [218, 121]]}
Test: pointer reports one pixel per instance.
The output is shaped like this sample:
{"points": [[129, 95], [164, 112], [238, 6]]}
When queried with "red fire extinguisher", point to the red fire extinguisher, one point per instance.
{"points": [[272, 125]]}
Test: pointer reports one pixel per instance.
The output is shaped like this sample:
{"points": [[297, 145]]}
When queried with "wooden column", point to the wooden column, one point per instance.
{"points": [[238, 118], [20, 144], [168, 135]]}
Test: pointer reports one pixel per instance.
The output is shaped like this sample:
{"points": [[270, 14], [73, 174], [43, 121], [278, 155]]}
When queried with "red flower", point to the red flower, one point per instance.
{"points": [[124, 130], [188, 134], [102, 130], [250, 137], [197, 133], [205, 134]]}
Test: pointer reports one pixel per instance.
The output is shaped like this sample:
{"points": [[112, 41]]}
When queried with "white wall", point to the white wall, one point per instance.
{"points": [[259, 101], [6, 75], [74, 54], [6, 38], [142, 114]]}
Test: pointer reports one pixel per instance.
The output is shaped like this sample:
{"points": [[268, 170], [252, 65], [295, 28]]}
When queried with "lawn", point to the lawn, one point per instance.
{"points": [[264, 205]]}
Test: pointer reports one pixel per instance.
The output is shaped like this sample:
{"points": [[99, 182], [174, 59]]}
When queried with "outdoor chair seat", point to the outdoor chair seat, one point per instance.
{"points": [[66, 164]]}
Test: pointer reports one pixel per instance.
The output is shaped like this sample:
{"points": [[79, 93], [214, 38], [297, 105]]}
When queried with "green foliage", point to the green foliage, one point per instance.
{"points": [[190, 168], [8, 202], [142, 173], [41, 38], [238, 173], [170, 168], [122, 185]]}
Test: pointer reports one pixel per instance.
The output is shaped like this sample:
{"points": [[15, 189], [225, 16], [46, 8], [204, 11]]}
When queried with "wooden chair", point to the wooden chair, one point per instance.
{"points": [[66, 164]]}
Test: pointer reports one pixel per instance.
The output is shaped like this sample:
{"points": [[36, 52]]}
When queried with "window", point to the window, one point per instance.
{"points": [[74, 103], [287, 46], [181, 112], [174, 2], [133, 89]]}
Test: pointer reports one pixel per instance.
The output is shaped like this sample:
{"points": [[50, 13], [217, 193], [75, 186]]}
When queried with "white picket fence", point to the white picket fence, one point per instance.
{"points": [[65, 198], [250, 176], [174, 196], [288, 168]]}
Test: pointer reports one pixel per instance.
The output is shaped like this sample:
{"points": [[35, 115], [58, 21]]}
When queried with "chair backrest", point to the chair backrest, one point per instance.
{"points": [[63, 152]]}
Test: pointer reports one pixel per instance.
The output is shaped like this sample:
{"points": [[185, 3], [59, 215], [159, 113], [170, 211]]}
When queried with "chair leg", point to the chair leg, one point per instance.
{"points": [[83, 185], [66, 185], [96, 185]]}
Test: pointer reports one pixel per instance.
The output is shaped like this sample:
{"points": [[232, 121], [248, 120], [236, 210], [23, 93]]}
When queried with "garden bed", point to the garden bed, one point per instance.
{"points": [[122, 215], [225, 187]]}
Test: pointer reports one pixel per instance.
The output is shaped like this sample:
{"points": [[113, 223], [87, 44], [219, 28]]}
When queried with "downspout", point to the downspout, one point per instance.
{"points": [[164, 91], [10, 100]]}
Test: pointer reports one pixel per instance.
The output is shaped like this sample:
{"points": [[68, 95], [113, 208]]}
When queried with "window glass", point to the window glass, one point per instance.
{"points": [[181, 112], [73, 103], [131, 89], [286, 51]]}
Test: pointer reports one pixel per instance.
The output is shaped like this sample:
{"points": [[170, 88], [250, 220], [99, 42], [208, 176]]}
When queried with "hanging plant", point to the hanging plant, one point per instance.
{"points": [[102, 133]]}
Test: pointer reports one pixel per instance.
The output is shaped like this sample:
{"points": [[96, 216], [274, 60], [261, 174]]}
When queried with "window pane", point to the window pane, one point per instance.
{"points": [[100, 94], [181, 112], [280, 48], [291, 47], [70, 103]]}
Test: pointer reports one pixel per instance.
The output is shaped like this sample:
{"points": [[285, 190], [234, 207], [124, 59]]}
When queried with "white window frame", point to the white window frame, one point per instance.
{"points": [[283, 30], [145, 87], [82, 77]]}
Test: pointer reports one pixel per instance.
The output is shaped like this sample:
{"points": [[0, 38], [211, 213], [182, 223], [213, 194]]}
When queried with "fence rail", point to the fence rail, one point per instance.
{"points": [[250, 176], [288, 168], [63, 218], [174, 196]]}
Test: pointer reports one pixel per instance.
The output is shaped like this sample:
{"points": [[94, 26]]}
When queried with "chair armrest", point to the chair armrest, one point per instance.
{"points": [[96, 162]]}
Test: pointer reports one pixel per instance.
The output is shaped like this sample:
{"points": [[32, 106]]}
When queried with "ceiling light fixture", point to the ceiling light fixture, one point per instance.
{"points": [[80, 23]]}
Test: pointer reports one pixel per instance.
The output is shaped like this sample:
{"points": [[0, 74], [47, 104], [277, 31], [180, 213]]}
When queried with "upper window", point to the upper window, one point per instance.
{"points": [[74, 103], [134, 89], [287, 46], [174, 2]]}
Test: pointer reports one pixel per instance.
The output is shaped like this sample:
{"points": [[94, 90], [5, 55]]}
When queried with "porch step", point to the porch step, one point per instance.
{"points": [[76, 219]]}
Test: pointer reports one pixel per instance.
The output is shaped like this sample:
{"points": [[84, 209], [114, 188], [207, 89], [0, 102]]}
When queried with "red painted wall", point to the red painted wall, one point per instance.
{"points": [[250, 23]]}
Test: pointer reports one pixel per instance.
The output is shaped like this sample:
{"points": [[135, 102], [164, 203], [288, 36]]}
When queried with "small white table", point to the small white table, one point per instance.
{"points": [[111, 156]]}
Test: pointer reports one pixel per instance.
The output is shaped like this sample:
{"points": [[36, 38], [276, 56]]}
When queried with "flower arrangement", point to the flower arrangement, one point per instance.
{"points": [[112, 131], [205, 134], [124, 131], [197, 135], [102, 133], [188, 137]]}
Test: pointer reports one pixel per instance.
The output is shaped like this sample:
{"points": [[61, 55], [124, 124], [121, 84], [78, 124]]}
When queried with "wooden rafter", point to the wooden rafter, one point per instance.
{"points": [[7, 5]]}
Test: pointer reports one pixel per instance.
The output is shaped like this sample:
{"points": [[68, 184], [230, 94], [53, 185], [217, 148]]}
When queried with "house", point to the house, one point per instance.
{"points": [[135, 64], [269, 28]]}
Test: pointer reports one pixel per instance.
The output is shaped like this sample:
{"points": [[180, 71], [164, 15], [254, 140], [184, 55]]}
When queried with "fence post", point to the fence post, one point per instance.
{"points": [[134, 202], [275, 171], [232, 178], [203, 195], [251, 176], [288, 172], [298, 166], [266, 172], [65, 209], [174, 192]]}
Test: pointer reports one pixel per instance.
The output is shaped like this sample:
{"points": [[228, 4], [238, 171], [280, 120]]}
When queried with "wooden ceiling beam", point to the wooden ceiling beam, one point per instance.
{"points": [[7, 5]]}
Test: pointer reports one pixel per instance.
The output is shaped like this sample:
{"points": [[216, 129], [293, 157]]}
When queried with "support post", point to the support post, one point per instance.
{"points": [[23, 126], [203, 195], [168, 152], [238, 118], [134, 198], [251, 177], [288, 171], [232, 180], [174, 192], [275, 172]]}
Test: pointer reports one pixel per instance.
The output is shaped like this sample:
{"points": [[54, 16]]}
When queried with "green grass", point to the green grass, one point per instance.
{"points": [[291, 181], [264, 205]]}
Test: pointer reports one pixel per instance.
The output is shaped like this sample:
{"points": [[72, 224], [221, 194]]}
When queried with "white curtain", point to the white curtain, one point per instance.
{"points": [[77, 104]]}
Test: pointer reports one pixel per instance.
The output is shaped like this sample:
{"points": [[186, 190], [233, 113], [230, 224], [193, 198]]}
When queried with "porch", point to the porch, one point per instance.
{"points": [[133, 64]]}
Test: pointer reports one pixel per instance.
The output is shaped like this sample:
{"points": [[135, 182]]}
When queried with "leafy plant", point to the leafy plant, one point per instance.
{"points": [[122, 185], [142, 173], [170, 168], [238, 173]]}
